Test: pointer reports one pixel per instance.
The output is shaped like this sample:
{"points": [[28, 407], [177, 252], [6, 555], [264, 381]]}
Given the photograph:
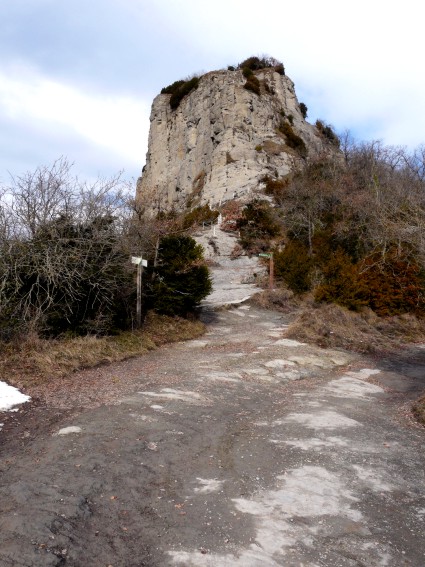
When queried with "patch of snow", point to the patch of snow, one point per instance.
{"points": [[10, 397]]}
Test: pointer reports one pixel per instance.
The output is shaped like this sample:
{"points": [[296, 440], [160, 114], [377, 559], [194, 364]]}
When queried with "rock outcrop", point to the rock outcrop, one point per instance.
{"points": [[222, 140]]}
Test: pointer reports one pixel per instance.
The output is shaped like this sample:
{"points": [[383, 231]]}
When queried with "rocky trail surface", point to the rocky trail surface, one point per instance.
{"points": [[242, 448]]}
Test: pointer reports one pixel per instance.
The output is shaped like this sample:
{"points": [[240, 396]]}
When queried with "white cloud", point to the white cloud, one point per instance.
{"points": [[119, 124], [360, 62], [356, 65]]}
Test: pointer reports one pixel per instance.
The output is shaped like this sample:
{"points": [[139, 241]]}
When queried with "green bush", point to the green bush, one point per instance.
{"points": [[179, 89], [303, 109], [293, 140], [256, 63], [181, 279], [174, 87], [256, 224], [390, 287], [253, 84], [199, 215], [341, 283], [327, 132], [294, 266]]}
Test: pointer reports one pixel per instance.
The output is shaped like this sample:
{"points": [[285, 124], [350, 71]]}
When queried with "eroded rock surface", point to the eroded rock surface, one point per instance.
{"points": [[222, 140], [239, 449]]}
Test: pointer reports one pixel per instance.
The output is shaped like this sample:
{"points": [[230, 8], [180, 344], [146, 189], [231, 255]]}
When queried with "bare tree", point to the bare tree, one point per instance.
{"points": [[64, 261]]}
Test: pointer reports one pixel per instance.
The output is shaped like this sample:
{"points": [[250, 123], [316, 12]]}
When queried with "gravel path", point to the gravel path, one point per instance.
{"points": [[242, 448]]}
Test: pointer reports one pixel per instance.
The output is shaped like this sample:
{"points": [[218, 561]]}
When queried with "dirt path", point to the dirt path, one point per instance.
{"points": [[240, 449]]}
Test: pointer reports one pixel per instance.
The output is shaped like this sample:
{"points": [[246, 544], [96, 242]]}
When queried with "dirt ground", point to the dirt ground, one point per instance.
{"points": [[239, 449]]}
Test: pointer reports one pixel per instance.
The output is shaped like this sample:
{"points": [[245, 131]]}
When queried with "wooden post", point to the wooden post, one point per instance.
{"points": [[139, 296], [271, 272], [140, 264]]}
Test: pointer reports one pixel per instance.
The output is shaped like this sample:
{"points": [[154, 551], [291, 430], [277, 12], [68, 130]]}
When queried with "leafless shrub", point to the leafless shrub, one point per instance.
{"points": [[64, 264]]}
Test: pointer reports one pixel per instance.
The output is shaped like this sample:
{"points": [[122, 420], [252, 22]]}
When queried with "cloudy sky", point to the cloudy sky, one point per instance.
{"points": [[77, 78]]}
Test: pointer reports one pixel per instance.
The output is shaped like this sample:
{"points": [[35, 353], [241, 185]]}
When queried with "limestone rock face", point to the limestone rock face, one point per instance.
{"points": [[222, 140]]}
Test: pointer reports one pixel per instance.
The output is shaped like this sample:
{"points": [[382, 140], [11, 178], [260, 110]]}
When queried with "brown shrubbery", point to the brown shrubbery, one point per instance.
{"points": [[256, 63], [257, 225], [292, 140], [348, 233], [327, 132], [333, 326], [252, 83], [198, 216]]}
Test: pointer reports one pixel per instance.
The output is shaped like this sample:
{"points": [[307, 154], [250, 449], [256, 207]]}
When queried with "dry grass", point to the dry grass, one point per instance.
{"points": [[35, 361], [419, 410], [280, 298], [332, 326]]}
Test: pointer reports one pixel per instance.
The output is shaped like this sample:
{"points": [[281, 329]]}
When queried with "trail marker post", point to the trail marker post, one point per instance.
{"points": [[271, 268], [140, 263]]}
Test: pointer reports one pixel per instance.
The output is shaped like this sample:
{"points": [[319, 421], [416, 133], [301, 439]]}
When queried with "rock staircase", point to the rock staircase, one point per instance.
{"points": [[234, 275]]}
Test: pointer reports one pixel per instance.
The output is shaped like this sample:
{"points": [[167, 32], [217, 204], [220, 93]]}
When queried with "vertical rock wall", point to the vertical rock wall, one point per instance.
{"points": [[222, 140]]}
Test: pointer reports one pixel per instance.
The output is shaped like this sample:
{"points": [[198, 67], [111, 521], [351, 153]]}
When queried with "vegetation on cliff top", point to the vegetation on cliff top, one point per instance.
{"points": [[255, 63], [179, 89]]}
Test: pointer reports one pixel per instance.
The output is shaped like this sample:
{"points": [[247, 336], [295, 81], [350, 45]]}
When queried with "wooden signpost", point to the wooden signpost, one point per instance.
{"points": [[271, 268], [140, 263]]}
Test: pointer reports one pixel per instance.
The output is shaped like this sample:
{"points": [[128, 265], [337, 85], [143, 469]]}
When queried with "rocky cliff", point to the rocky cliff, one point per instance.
{"points": [[222, 139]]}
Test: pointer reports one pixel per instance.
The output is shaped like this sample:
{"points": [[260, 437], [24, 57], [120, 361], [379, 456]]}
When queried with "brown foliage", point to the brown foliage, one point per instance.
{"points": [[333, 326], [292, 140]]}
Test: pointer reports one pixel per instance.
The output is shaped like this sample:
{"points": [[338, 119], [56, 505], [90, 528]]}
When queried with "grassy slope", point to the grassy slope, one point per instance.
{"points": [[37, 361]]}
